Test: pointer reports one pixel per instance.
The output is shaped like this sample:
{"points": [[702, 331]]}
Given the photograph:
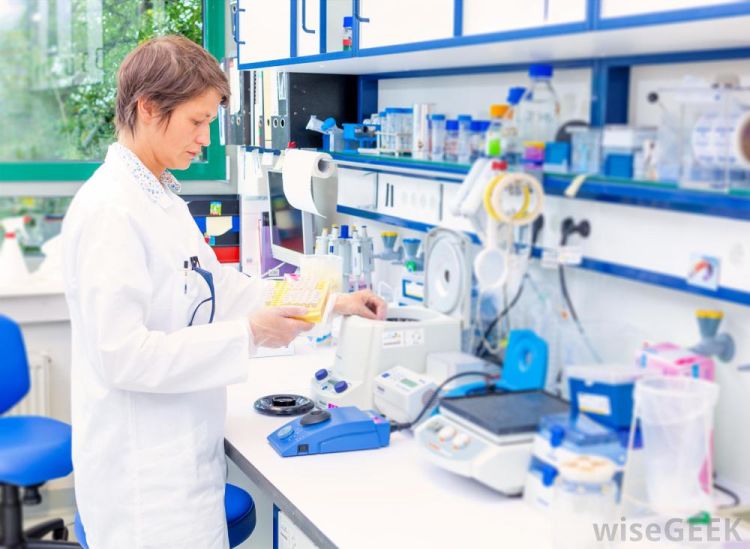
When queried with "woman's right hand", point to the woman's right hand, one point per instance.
{"points": [[276, 327]]}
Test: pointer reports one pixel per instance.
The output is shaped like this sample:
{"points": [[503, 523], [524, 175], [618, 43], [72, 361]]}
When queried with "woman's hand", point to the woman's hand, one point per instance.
{"points": [[276, 326], [363, 303]]}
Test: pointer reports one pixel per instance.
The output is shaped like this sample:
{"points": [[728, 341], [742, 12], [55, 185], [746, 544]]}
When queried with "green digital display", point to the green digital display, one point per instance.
{"points": [[408, 382]]}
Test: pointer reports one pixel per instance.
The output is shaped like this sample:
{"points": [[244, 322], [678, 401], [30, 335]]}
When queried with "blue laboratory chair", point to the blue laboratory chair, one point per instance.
{"points": [[33, 450], [240, 509]]}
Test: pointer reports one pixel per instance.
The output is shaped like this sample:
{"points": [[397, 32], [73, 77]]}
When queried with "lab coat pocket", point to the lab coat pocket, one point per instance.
{"points": [[180, 497], [190, 290]]}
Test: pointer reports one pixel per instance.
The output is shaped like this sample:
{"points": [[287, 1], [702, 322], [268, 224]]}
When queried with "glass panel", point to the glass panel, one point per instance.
{"points": [[35, 220], [58, 62]]}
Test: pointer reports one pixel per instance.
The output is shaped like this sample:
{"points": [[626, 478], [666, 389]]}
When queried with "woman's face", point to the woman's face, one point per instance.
{"points": [[177, 143]]}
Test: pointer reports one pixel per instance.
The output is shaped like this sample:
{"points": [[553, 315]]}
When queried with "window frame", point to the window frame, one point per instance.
{"points": [[213, 168]]}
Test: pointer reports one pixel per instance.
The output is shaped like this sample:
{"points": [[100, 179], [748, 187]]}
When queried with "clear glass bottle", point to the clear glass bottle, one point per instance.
{"points": [[510, 143], [537, 112], [437, 137], [494, 132], [451, 141], [478, 135]]}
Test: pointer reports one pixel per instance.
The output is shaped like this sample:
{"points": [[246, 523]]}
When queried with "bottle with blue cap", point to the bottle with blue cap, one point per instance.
{"points": [[437, 137], [464, 139], [348, 33], [510, 143], [451, 141], [538, 111]]}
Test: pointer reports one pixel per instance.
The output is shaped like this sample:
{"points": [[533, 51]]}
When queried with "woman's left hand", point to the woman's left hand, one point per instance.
{"points": [[363, 303]]}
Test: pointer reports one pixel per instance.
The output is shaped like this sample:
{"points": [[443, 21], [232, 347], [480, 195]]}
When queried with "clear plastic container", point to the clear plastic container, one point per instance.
{"points": [[464, 139], [676, 419], [346, 40], [585, 496], [451, 141], [437, 137], [702, 141], [478, 135], [538, 110], [404, 129], [586, 149], [494, 132]]}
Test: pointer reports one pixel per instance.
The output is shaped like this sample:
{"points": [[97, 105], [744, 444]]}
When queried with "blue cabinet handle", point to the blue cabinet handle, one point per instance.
{"points": [[304, 18], [236, 25], [357, 16]]}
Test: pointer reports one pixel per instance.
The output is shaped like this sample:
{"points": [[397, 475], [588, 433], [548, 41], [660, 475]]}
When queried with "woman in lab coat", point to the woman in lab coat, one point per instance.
{"points": [[149, 388]]}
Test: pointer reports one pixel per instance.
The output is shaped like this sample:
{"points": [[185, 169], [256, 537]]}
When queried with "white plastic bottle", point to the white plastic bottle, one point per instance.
{"points": [[13, 270], [537, 113]]}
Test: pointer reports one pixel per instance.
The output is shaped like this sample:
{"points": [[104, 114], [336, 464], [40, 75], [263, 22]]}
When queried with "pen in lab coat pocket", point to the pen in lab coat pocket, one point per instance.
{"points": [[185, 270]]}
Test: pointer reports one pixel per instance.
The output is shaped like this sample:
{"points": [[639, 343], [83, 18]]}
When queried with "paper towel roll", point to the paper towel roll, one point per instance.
{"points": [[299, 169]]}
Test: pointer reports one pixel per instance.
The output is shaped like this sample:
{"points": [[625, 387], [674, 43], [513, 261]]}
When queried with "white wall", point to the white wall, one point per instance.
{"points": [[620, 313]]}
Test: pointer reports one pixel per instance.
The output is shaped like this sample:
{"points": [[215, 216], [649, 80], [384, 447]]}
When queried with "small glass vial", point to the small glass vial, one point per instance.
{"points": [[437, 137]]}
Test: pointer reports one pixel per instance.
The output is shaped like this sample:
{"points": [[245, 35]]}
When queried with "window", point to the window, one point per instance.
{"points": [[58, 61]]}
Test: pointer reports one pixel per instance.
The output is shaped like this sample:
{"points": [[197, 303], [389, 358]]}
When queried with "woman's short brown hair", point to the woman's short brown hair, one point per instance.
{"points": [[167, 71]]}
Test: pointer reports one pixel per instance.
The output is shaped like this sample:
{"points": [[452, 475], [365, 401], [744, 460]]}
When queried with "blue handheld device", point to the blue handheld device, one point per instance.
{"points": [[335, 430]]}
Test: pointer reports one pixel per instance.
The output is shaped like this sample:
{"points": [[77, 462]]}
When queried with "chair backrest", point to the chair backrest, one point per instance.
{"points": [[14, 367]]}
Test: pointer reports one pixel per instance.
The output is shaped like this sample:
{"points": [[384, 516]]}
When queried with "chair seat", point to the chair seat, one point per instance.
{"points": [[33, 450], [240, 511]]}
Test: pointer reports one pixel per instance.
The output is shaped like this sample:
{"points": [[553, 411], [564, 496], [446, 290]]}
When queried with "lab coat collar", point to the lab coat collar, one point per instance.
{"points": [[158, 190]]}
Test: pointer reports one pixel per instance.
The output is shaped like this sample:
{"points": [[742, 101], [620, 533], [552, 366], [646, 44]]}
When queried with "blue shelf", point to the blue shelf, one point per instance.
{"points": [[662, 196], [589, 264]]}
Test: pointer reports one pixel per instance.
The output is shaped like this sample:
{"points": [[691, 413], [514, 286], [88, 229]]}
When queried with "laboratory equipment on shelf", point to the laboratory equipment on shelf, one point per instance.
{"points": [[396, 131], [437, 137], [713, 343], [368, 347], [361, 138], [420, 140], [326, 431], [413, 257], [451, 141], [478, 138], [627, 151], [703, 134], [586, 149], [671, 476], [538, 111], [563, 438], [494, 135], [463, 155], [487, 437], [346, 38], [510, 142], [355, 250]]}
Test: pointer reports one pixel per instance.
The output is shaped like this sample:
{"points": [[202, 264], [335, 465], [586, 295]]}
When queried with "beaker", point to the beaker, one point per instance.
{"points": [[675, 415]]}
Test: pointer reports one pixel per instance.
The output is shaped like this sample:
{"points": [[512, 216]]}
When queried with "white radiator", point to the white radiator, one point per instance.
{"points": [[36, 401]]}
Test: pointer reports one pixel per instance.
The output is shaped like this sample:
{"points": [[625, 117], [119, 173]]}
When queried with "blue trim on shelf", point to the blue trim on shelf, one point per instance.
{"points": [[275, 152], [320, 58], [672, 16], [458, 171], [293, 28], [482, 69], [664, 280], [595, 265], [593, 8], [458, 17], [694, 56], [660, 197], [477, 39], [367, 97], [323, 46]]}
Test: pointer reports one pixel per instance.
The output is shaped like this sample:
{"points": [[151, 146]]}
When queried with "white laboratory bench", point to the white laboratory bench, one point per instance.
{"points": [[390, 497]]}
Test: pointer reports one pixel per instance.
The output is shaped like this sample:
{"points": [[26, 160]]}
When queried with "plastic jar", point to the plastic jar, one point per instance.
{"points": [[437, 137], [451, 141], [464, 139], [478, 134]]}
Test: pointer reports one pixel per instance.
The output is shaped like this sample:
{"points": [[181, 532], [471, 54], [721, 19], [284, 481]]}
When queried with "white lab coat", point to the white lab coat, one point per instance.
{"points": [[148, 392]]}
